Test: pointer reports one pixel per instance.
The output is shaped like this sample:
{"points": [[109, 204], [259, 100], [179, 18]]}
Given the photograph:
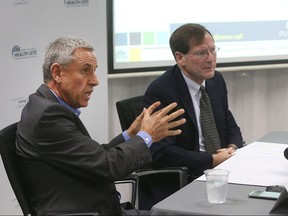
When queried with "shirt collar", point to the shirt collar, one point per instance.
{"points": [[62, 102], [192, 86]]}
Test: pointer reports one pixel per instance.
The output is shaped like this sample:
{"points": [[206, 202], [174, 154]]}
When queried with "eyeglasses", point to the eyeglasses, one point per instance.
{"points": [[205, 53]]}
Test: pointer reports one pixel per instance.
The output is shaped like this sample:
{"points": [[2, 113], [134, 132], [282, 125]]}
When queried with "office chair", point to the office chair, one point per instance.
{"points": [[128, 110], [11, 164]]}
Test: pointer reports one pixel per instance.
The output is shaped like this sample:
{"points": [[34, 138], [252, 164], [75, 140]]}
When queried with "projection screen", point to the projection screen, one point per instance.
{"points": [[247, 32]]}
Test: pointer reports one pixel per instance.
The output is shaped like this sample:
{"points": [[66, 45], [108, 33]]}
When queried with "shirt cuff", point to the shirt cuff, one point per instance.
{"points": [[125, 135], [233, 146], [145, 136]]}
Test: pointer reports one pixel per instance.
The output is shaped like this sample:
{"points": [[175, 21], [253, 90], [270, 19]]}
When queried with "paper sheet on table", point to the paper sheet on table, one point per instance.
{"points": [[259, 163]]}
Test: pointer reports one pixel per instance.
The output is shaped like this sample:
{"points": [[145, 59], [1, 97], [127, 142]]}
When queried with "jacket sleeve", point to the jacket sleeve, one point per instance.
{"points": [[62, 141]]}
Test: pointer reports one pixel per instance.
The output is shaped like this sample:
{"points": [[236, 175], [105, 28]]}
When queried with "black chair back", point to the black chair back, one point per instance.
{"points": [[128, 110], [150, 186], [11, 164]]}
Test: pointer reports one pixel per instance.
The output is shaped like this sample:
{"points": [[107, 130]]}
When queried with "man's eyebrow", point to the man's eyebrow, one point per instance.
{"points": [[87, 65]]}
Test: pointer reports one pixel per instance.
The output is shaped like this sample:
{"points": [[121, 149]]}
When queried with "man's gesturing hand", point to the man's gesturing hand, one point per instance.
{"points": [[159, 124]]}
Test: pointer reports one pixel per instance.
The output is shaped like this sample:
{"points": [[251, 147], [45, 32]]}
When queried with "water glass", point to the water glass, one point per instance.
{"points": [[216, 183]]}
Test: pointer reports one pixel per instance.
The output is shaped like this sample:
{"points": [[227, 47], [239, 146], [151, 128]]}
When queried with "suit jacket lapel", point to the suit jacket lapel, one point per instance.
{"points": [[211, 92], [185, 97]]}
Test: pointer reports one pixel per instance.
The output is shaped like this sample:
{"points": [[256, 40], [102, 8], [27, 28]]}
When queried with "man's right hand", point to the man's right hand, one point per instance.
{"points": [[222, 154], [159, 124]]}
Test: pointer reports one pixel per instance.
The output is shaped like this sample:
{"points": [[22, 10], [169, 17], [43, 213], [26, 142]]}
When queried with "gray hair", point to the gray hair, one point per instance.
{"points": [[62, 51]]}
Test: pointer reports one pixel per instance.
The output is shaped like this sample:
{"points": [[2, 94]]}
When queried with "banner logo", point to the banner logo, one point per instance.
{"points": [[19, 53], [76, 3], [21, 2]]}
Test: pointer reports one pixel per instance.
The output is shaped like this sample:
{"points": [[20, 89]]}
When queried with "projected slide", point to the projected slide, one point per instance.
{"points": [[245, 31]]}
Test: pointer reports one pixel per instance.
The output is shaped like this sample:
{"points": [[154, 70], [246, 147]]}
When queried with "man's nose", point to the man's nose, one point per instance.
{"points": [[94, 80]]}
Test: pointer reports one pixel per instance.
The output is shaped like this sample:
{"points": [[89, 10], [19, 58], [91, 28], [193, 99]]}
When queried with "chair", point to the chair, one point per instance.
{"points": [[128, 110], [11, 164]]}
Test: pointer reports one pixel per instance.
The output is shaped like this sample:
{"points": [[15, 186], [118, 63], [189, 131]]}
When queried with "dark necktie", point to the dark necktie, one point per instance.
{"points": [[209, 130]]}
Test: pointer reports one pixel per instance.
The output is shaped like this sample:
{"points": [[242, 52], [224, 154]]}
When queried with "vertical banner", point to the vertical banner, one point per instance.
{"points": [[27, 26]]}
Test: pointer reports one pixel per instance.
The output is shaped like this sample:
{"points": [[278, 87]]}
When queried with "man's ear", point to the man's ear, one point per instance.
{"points": [[180, 58], [56, 72]]}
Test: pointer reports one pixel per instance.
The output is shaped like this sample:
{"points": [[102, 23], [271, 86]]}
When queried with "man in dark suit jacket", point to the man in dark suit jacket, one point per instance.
{"points": [[194, 50], [64, 170]]}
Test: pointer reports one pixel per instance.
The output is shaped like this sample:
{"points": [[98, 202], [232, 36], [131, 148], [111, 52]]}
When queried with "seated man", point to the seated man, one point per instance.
{"points": [[64, 170], [193, 48]]}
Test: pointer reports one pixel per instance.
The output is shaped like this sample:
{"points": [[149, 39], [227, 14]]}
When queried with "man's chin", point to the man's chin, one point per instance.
{"points": [[209, 74], [84, 104]]}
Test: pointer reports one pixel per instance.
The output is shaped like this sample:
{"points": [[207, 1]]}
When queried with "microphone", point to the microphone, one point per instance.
{"points": [[286, 153]]}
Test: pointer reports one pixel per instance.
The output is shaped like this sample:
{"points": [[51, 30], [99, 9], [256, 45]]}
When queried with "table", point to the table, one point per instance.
{"points": [[192, 199], [275, 137]]}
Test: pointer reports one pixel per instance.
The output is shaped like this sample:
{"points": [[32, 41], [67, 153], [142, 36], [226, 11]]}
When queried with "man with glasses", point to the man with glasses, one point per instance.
{"points": [[194, 50]]}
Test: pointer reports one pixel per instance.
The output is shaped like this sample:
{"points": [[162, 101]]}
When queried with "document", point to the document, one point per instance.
{"points": [[258, 163]]}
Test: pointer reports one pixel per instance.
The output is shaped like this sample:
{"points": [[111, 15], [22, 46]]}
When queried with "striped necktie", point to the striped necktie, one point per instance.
{"points": [[209, 130]]}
